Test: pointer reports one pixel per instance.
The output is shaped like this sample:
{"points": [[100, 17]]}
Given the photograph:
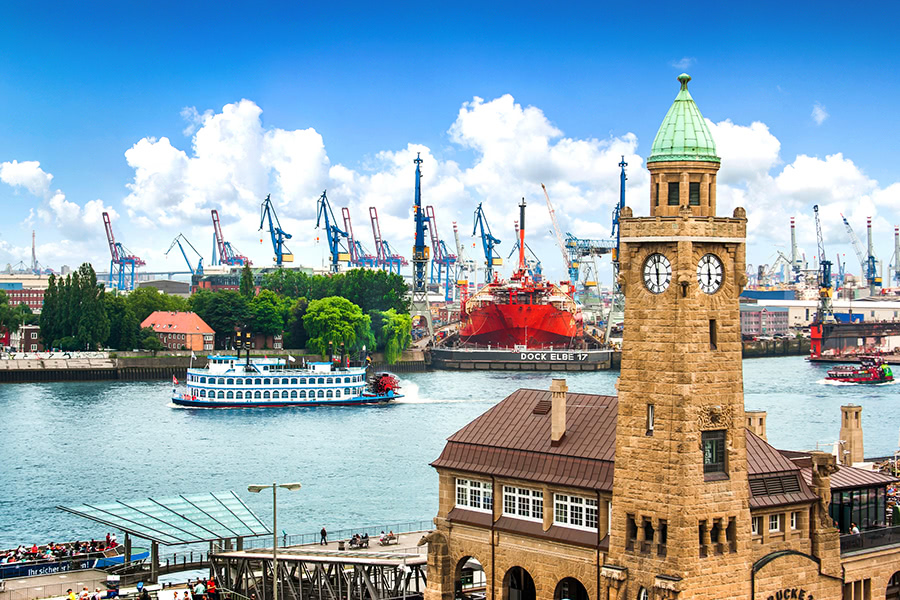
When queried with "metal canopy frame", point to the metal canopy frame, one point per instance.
{"points": [[182, 519]]}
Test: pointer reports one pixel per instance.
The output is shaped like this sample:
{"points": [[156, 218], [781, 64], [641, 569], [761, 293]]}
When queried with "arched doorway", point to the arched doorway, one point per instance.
{"points": [[570, 589], [893, 587], [518, 585], [469, 582]]}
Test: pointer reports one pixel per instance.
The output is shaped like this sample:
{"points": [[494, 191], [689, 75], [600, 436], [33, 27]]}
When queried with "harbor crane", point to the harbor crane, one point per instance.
{"points": [[359, 256], [571, 268], [123, 262], [198, 270], [825, 311], [616, 312], [420, 306], [488, 244], [894, 265], [278, 235], [442, 260], [227, 254], [338, 248], [465, 265], [866, 261], [385, 257]]}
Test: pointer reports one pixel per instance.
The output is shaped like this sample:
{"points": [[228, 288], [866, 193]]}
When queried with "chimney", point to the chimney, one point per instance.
{"points": [[756, 422], [851, 437], [558, 391]]}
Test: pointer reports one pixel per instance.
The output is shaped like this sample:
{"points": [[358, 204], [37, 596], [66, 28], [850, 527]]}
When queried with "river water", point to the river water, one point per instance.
{"points": [[94, 442]]}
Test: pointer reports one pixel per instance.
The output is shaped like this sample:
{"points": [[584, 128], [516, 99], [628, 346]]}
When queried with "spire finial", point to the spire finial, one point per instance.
{"points": [[684, 78]]}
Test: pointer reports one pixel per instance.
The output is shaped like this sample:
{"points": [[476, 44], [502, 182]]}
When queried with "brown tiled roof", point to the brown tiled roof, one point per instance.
{"points": [[851, 477], [163, 321], [510, 440], [763, 458]]}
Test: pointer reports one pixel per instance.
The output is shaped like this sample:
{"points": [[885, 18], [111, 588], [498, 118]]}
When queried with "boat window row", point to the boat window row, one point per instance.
{"points": [[273, 381], [276, 395]]}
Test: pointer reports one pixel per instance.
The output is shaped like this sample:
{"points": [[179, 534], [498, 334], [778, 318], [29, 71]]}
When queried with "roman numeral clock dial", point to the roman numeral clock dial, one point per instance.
{"points": [[657, 273], [710, 273]]}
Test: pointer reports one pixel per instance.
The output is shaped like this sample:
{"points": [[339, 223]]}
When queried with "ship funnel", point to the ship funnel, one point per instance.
{"points": [[558, 391], [522, 237]]}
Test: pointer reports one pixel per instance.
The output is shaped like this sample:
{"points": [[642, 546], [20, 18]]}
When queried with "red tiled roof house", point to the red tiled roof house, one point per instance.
{"points": [[181, 330]]}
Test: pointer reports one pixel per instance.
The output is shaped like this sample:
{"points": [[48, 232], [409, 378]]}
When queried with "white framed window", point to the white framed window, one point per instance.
{"points": [[34, 335], [524, 503], [575, 511], [34, 347], [756, 525], [774, 523], [794, 520], [474, 494]]}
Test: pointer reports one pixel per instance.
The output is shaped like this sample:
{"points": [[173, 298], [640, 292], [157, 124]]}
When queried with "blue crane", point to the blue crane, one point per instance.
{"points": [[443, 262], [198, 270], [488, 241], [267, 211], [325, 219], [122, 263], [420, 250], [825, 312]]}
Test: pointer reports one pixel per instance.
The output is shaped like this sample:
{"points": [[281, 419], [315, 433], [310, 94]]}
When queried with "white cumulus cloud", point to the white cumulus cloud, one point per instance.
{"points": [[27, 174], [819, 114]]}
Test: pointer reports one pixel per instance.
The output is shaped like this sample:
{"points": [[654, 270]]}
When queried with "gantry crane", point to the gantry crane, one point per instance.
{"points": [[359, 256], [278, 235], [866, 261], [385, 257], [825, 311], [122, 263], [571, 268], [894, 265], [488, 244], [420, 255], [338, 248], [442, 260], [227, 254], [198, 270], [465, 265]]}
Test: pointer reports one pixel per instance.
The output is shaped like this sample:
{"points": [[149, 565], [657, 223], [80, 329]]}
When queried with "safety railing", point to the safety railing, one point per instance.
{"points": [[374, 531], [870, 538]]}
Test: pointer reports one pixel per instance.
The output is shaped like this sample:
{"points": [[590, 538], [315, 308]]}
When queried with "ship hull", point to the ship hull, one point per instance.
{"points": [[509, 325]]}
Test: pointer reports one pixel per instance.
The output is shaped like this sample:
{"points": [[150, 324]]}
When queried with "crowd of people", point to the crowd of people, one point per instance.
{"points": [[54, 551]]}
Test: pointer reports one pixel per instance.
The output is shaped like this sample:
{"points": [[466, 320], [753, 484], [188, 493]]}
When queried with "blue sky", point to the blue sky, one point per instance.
{"points": [[499, 97]]}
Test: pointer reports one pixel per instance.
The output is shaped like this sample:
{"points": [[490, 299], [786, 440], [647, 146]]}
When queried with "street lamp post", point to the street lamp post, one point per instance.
{"points": [[291, 487]]}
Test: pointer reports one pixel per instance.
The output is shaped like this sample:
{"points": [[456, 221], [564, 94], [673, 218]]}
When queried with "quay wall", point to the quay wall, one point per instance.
{"points": [[779, 347], [137, 366]]}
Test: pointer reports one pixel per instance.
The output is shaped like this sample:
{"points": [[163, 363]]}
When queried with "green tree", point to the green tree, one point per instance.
{"points": [[124, 328], [392, 332], [144, 301], [248, 289], [10, 318], [268, 313], [49, 321], [149, 340], [225, 311], [91, 322], [337, 320], [295, 334], [291, 283]]}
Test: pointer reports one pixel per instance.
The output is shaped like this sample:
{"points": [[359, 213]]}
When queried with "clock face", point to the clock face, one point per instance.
{"points": [[657, 273], [710, 273]]}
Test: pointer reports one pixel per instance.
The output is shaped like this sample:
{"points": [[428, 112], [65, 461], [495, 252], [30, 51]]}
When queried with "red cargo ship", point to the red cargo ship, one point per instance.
{"points": [[520, 312]]}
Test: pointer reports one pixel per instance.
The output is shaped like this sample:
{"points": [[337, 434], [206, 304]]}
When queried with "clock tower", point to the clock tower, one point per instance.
{"points": [[680, 509]]}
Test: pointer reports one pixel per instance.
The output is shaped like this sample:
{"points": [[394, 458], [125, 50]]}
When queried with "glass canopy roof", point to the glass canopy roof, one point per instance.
{"points": [[178, 519]]}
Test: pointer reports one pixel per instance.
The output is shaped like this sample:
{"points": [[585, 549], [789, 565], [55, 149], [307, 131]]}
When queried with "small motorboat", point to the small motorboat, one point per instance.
{"points": [[871, 369]]}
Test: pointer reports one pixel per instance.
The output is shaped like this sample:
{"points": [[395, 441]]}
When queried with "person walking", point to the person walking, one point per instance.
{"points": [[324, 535]]}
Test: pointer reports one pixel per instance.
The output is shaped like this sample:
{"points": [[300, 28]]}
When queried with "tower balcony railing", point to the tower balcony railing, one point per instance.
{"points": [[870, 539]]}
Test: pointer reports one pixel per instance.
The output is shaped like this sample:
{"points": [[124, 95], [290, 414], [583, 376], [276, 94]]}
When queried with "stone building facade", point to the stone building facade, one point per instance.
{"points": [[668, 490]]}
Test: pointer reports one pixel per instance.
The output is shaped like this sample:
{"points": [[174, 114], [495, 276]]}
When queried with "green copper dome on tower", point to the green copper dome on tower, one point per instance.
{"points": [[683, 134]]}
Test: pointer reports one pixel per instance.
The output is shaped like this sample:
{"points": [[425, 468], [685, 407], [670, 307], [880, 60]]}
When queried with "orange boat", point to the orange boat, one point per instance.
{"points": [[521, 312]]}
